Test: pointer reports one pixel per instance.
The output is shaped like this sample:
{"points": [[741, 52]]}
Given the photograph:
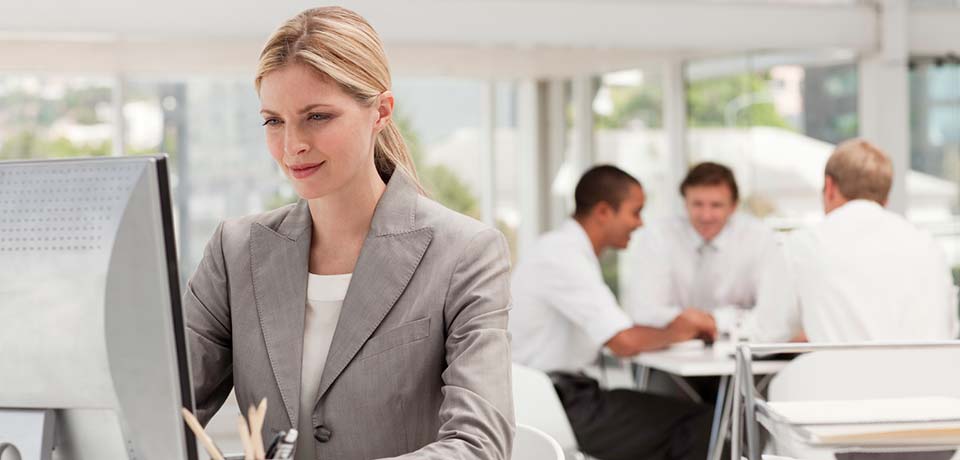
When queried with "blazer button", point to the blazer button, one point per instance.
{"points": [[322, 434]]}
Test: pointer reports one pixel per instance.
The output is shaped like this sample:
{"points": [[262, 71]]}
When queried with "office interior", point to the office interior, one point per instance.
{"points": [[505, 103]]}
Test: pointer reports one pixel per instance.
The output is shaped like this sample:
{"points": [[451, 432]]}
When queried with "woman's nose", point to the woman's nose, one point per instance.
{"points": [[293, 143]]}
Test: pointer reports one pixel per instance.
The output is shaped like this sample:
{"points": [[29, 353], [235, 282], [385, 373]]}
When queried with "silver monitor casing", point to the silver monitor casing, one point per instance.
{"points": [[90, 317]]}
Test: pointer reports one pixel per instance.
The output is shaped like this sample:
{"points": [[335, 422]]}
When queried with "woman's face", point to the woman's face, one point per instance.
{"points": [[321, 137]]}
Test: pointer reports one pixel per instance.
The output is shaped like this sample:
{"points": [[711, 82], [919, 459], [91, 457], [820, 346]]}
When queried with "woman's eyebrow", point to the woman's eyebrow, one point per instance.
{"points": [[303, 110], [314, 106]]}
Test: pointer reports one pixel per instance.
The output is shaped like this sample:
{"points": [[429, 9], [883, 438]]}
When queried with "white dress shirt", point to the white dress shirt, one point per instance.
{"points": [[563, 313], [864, 274], [671, 267], [325, 294]]}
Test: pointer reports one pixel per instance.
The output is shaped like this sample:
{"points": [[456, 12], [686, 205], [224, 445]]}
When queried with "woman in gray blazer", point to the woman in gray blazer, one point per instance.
{"points": [[415, 363]]}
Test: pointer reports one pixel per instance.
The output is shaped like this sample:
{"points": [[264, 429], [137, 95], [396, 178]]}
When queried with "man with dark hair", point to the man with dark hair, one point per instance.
{"points": [[564, 315], [709, 173], [711, 259], [602, 183]]}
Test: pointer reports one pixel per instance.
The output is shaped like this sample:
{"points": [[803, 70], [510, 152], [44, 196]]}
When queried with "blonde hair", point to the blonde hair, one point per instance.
{"points": [[341, 45], [861, 171]]}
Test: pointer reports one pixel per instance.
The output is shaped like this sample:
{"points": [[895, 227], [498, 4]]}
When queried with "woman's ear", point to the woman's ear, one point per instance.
{"points": [[384, 109]]}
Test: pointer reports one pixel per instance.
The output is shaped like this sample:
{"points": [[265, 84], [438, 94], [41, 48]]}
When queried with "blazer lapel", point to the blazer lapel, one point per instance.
{"points": [[279, 259], [389, 257]]}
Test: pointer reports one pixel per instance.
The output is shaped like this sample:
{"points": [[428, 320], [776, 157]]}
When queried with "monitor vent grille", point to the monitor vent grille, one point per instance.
{"points": [[61, 207]]}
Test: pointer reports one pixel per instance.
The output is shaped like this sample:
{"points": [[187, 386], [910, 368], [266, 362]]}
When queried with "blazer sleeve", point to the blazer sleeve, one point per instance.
{"points": [[476, 415], [207, 310]]}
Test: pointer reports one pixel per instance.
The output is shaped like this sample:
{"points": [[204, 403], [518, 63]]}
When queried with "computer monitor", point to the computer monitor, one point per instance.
{"points": [[90, 319]]}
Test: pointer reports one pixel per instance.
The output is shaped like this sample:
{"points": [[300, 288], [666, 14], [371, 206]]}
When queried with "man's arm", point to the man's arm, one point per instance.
{"points": [[688, 325], [580, 295], [776, 316]]}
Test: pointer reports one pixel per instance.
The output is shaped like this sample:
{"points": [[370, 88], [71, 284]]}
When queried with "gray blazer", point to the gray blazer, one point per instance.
{"points": [[420, 360]]}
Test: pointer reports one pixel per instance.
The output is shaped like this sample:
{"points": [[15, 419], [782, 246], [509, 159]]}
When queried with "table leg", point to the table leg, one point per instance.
{"points": [[641, 375], [736, 409], [686, 388], [721, 419]]}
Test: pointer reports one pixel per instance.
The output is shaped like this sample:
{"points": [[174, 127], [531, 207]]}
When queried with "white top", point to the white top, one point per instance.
{"points": [[864, 274], [664, 273], [325, 294], [563, 313]]}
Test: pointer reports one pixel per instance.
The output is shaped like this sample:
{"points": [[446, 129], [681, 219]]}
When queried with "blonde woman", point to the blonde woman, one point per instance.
{"points": [[371, 318]]}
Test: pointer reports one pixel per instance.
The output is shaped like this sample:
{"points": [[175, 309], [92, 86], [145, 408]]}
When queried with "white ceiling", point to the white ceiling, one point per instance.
{"points": [[620, 23], [500, 38]]}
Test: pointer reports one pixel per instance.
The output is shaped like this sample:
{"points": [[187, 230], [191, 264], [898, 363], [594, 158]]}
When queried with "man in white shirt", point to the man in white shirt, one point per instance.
{"points": [[864, 273], [564, 315], [712, 258]]}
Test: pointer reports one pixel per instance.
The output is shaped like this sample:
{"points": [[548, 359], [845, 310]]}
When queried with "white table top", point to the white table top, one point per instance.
{"points": [[693, 359]]}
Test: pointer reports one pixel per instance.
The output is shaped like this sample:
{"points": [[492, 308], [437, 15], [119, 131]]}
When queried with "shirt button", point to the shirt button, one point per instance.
{"points": [[322, 434]]}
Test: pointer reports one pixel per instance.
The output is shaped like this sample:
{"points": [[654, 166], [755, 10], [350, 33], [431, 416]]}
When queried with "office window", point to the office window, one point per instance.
{"points": [[220, 168], [440, 120], [935, 154], [55, 116], [210, 127], [628, 130], [628, 133], [506, 151], [774, 120]]}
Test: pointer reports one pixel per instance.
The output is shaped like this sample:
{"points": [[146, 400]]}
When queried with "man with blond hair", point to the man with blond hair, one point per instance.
{"points": [[864, 273]]}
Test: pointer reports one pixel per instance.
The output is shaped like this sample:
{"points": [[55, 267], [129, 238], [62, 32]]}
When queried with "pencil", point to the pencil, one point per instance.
{"points": [[245, 438], [256, 429], [208, 444]]}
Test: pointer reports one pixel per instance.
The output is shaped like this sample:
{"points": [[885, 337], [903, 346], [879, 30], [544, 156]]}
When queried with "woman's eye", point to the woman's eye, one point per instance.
{"points": [[271, 122], [319, 116]]}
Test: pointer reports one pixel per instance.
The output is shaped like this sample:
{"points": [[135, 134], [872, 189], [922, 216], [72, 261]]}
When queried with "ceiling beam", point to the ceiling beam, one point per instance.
{"points": [[666, 25], [934, 31], [468, 38]]}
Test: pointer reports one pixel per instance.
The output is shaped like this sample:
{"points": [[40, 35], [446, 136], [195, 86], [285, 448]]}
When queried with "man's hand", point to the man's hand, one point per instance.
{"points": [[683, 328], [703, 325], [690, 324]]}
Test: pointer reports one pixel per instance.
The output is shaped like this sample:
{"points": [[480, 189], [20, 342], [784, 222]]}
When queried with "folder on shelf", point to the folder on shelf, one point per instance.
{"points": [[895, 421]]}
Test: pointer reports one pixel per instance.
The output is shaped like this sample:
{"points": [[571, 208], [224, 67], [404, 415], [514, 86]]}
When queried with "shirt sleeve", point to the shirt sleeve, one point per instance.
{"points": [[776, 315], [949, 289], [647, 292], [578, 292]]}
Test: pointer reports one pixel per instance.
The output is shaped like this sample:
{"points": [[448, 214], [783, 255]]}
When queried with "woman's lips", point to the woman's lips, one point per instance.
{"points": [[303, 171]]}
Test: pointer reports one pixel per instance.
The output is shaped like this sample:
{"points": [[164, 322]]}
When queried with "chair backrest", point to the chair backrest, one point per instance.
{"points": [[537, 405], [851, 374], [533, 444], [869, 374]]}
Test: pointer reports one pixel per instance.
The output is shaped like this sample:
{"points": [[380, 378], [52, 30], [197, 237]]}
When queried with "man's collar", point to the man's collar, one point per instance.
{"points": [[718, 242], [572, 226]]}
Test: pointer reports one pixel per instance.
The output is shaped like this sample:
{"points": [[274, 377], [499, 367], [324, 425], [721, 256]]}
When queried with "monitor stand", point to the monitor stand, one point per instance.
{"points": [[26, 434]]}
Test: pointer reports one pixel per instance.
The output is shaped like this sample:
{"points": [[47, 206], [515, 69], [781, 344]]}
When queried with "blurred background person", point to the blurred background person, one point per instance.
{"points": [[864, 273], [564, 314]]}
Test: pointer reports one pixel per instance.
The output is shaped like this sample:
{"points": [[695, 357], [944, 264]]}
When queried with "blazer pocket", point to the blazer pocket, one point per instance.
{"points": [[400, 335]]}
